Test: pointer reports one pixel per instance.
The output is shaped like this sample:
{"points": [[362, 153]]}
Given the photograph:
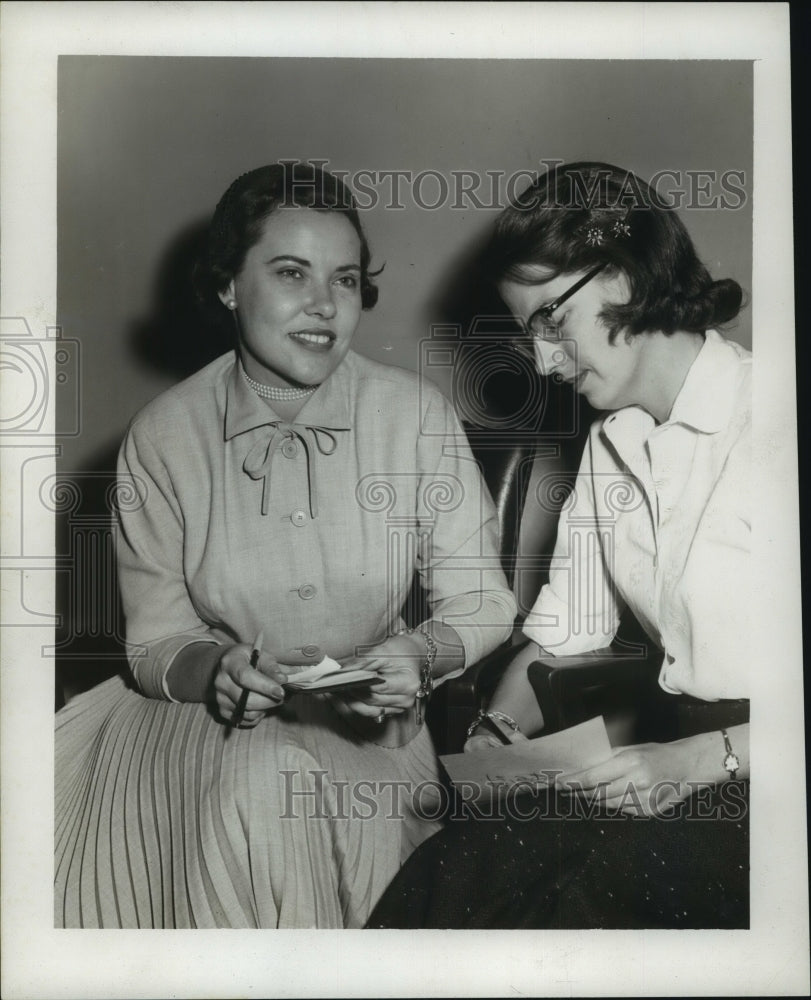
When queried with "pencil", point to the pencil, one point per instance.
{"points": [[243, 698]]}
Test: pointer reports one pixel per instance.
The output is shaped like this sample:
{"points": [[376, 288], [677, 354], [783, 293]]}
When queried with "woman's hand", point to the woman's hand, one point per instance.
{"points": [[648, 779], [399, 660], [235, 675]]}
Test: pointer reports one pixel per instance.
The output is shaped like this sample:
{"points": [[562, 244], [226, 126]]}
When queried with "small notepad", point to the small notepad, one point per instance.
{"points": [[329, 675]]}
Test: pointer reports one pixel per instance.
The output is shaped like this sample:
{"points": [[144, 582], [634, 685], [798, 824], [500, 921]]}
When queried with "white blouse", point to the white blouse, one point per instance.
{"points": [[660, 520]]}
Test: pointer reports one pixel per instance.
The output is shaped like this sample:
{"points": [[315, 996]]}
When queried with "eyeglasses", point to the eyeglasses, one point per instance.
{"points": [[541, 326]]}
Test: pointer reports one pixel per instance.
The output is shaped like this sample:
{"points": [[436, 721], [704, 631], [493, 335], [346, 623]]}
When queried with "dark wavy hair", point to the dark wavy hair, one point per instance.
{"points": [[244, 208], [574, 218]]}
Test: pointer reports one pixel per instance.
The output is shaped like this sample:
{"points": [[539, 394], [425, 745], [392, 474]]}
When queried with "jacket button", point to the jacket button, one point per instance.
{"points": [[290, 449], [307, 591], [298, 517]]}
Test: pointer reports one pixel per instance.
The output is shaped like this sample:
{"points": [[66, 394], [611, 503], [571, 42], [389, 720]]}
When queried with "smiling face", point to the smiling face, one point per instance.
{"points": [[577, 347], [298, 297]]}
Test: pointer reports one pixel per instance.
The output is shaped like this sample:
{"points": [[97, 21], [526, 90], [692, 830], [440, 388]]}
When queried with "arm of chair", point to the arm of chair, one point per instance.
{"points": [[559, 683]]}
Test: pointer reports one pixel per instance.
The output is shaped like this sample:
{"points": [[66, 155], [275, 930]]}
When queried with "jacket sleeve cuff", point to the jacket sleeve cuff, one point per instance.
{"points": [[151, 668], [482, 622]]}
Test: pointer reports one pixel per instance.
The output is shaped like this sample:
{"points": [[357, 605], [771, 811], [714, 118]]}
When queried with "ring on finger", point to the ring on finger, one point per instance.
{"points": [[380, 719]]}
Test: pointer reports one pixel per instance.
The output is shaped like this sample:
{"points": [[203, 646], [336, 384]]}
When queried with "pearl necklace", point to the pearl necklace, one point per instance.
{"points": [[281, 392]]}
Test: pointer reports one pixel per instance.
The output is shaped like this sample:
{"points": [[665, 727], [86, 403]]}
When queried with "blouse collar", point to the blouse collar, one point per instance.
{"points": [[705, 402], [707, 398]]}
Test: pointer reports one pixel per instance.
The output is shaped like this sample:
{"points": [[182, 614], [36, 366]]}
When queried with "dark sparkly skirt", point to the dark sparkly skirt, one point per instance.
{"points": [[541, 863]]}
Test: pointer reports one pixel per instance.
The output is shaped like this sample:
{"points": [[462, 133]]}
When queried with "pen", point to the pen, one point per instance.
{"points": [[243, 698]]}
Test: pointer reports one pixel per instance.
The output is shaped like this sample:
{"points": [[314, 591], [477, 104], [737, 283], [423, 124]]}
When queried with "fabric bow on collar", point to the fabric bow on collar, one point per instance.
{"points": [[259, 459]]}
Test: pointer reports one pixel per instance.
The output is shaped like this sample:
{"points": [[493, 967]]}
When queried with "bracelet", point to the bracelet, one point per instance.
{"points": [[498, 716], [426, 671], [731, 760]]}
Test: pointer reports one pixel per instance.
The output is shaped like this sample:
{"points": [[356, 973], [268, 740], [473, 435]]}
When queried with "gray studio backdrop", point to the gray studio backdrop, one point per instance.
{"points": [[147, 146]]}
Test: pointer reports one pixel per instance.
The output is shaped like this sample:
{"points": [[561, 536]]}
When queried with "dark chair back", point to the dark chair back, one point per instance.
{"points": [[530, 467], [530, 473]]}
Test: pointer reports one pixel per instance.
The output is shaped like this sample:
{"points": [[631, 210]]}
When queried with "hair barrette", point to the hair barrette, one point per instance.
{"points": [[596, 233]]}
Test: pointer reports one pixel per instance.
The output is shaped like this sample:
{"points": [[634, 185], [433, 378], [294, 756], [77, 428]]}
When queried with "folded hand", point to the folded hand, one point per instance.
{"points": [[235, 675], [644, 780]]}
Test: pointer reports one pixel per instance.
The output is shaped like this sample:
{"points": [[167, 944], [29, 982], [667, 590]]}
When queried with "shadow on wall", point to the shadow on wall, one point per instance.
{"points": [[493, 387], [185, 328]]}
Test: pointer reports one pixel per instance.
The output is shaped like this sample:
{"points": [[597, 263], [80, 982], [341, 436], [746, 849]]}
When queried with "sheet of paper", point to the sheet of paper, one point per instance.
{"points": [[489, 773]]}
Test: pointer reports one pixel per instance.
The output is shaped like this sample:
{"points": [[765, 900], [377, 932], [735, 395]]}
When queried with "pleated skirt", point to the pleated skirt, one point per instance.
{"points": [[166, 818]]}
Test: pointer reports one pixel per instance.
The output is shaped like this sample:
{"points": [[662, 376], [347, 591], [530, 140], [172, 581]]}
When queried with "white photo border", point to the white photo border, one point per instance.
{"points": [[771, 958]]}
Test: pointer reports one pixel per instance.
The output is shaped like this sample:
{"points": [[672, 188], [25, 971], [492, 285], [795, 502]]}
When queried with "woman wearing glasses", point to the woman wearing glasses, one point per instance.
{"points": [[614, 300]]}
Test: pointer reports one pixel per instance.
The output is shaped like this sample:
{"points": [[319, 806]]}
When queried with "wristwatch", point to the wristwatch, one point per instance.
{"points": [[731, 760]]}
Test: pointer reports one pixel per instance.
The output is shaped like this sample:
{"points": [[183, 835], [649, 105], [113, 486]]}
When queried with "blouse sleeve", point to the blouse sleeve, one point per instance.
{"points": [[458, 556], [160, 617], [579, 609]]}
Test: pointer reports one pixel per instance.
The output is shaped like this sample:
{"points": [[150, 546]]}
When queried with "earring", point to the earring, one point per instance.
{"points": [[232, 304]]}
